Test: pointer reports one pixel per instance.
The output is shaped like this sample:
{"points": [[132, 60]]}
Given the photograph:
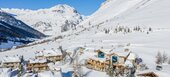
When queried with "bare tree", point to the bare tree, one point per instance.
{"points": [[165, 57], [169, 61], [159, 58]]}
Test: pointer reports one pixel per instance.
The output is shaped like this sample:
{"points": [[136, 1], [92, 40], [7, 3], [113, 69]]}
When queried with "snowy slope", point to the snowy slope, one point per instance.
{"points": [[110, 9], [50, 21], [151, 12], [133, 12]]}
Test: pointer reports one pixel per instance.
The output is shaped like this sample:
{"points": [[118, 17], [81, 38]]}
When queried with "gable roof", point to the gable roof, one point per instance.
{"points": [[37, 60], [9, 59], [48, 53]]}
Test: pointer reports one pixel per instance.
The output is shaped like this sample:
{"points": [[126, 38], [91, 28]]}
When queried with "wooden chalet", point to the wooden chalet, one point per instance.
{"points": [[37, 65], [11, 62], [103, 58]]}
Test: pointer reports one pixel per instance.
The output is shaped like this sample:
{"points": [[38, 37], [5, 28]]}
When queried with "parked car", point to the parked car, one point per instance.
{"points": [[159, 67]]}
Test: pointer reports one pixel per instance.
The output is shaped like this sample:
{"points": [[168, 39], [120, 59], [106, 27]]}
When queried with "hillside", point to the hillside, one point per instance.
{"points": [[133, 12], [15, 30]]}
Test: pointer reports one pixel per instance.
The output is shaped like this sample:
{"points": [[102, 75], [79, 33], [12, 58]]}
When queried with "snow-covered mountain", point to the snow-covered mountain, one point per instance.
{"points": [[15, 26], [15, 30], [50, 21]]}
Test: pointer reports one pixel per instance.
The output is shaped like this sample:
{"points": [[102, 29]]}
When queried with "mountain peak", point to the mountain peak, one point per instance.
{"points": [[62, 8]]}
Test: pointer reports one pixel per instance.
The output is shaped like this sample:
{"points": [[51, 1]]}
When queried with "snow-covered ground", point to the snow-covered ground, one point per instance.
{"points": [[130, 13], [141, 43]]}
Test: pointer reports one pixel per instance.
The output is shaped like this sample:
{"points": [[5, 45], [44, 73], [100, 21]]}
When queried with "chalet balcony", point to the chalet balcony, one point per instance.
{"points": [[37, 65], [10, 65]]}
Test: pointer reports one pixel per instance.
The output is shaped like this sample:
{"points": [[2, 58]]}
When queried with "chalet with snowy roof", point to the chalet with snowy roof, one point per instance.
{"points": [[105, 57], [11, 61], [37, 65], [50, 55]]}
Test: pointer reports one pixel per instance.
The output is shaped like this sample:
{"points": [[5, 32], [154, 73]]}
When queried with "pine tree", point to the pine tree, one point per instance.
{"points": [[128, 30], [150, 29], [20, 70], [116, 30]]}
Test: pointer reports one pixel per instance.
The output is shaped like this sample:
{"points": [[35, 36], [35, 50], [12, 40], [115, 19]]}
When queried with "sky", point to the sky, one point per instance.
{"points": [[85, 7]]}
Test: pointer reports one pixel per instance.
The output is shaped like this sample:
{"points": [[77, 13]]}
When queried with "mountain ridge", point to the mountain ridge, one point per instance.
{"points": [[56, 16], [8, 19]]}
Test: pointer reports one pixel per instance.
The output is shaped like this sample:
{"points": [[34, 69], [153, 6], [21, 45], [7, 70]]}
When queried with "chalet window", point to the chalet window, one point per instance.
{"points": [[114, 59], [100, 54]]}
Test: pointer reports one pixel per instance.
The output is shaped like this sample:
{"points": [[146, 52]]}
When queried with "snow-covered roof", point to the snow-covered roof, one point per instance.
{"points": [[37, 60], [111, 52], [7, 59], [99, 59], [132, 56], [107, 51], [48, 53], [119, 52], [122, 53]]}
